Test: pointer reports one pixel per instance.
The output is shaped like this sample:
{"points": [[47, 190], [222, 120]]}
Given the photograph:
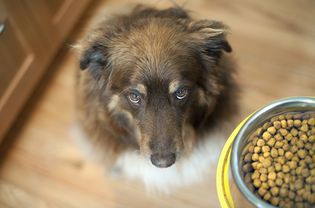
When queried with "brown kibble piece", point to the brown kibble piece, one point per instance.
{"points": [[291, 195], [274, 201], [298, 184], [257, 149], [260, 142], [263, 177], [288, 155], [279, 144], [255, 175], [271, 142], [278, 137], [279, 182], [266, 126], [292, 165], [271, 169], [248, 157], [272, 176], [257, 183], [280, 175], [283, 132], [298, 170], [305, 172], [286, 147], [254, 165], [285, 168], [304, 138], [281, 152], [301, 154], [294, 148], [277, 167], [308, 146], [283, 192], [255, 157], [290, 123], [271, 183], [297, 123], [264, 185], [287, 179], [261, 159], [274, 191], [266, 135], [259, 132], [251, 148], [266, 154], [294, 132], [284, 124], [263, 170], [261, 191], [300, 144], [277, 124], [265, 149], [304, 127], [281, 160], [308, 160], [266, 163], [288, 137], [247, 178], [311, 122], [267, 196], [272, 130], [274, 153]]}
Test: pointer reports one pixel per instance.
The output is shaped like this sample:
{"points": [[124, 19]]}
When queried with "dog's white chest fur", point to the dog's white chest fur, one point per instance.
{"points": [[184, 172]]}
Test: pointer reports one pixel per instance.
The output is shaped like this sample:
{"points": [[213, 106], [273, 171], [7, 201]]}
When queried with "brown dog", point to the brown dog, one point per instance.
{"points": [[155, 88]]}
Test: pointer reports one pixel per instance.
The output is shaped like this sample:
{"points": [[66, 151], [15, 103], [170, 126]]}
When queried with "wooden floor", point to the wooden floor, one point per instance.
{"points": [[274, 45]]}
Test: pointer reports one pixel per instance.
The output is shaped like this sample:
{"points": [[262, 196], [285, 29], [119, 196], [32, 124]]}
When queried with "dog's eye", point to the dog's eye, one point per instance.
{"points": [[134, 97], [181, 93]]}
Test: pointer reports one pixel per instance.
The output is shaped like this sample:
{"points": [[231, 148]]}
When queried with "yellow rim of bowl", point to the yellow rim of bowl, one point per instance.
{"points": [[222, 178]]}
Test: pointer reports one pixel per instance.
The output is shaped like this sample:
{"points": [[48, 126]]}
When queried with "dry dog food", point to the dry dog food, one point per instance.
{"points": [[279, 160]]}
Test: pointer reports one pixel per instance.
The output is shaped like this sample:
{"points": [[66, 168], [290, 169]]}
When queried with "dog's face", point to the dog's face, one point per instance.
{"points": [[158, 80]]}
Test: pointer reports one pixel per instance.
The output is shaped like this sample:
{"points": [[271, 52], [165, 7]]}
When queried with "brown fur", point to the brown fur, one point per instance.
{"points": [[154, 48]]}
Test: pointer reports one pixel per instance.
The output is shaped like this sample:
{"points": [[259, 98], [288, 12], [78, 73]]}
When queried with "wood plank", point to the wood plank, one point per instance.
{"points": [[274, 46]]}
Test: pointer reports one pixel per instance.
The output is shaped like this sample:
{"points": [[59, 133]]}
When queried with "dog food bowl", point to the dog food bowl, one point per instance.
{"points": [[232, 150]]}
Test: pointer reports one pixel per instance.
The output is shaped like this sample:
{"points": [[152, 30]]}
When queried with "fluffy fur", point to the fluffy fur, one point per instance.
{"points": [[156, 87]]}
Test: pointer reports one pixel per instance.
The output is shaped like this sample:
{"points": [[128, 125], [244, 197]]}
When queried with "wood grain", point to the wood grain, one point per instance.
{"points": [[26, 49], [274, 46]]}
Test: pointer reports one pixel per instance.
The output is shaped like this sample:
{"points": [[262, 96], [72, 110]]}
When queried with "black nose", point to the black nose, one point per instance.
{"points": [[163, 160]]}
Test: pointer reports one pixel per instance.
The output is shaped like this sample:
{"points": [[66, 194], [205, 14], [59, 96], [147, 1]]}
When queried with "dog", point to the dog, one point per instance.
{"points": [[155, 93]]}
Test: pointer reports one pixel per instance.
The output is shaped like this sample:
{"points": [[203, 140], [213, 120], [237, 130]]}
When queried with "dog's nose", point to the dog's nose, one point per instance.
{"points": [[163, 160]]}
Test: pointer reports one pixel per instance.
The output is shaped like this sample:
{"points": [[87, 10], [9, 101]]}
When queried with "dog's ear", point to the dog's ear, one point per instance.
{"points": [[209, 40], [210, 37], [95, 59]]}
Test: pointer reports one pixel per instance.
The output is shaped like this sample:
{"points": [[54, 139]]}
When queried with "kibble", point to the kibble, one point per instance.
{"points": [[279, 182], [257, 149], [271, 142], [260, 142], [274, 153], [297, 123], [301, 154], [279, 160], [277, 124], [265, 149], [272, 176], [266, 135]]}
